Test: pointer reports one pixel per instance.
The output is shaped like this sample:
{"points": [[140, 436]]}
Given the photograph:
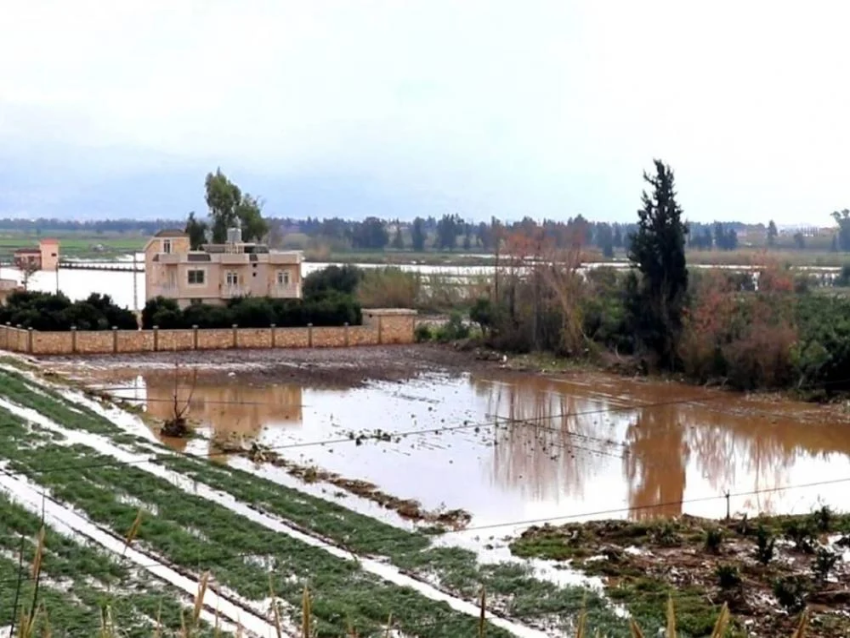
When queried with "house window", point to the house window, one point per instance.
{"points": [[232, 278], [282, 277], [196, 277], [166, 245]]}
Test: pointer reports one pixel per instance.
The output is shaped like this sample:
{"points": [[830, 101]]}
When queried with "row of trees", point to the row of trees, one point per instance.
{"points": [[55, 312], [761, 331]]}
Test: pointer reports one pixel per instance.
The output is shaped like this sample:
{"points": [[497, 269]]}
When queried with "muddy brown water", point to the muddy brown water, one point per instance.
{"points": [[583, 446]]}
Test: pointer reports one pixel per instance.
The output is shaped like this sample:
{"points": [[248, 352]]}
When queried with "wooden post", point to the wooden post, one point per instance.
{"points": [[29, 340], [273, 329], [309, 335], [73, 339], [195, 337], [346, 334], [235, 336], [114, 340], [156, 338]]}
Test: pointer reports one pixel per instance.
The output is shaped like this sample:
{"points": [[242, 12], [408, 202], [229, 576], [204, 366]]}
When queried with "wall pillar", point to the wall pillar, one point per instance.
{"points": [[273, 336], [235, 336], [73, 339], [309, 335], [114, 340], [346, 334], [380, 329], [156, 338], [29, 340], [195, 337]]}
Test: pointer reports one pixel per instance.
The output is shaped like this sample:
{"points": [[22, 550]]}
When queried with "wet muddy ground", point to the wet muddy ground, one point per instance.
{"points": [[335, 367], [431, 435], [501, 445]]}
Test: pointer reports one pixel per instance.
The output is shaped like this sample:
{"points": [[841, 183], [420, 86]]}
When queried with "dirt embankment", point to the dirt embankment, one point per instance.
{"points": [[339, 367], [767, 570]]}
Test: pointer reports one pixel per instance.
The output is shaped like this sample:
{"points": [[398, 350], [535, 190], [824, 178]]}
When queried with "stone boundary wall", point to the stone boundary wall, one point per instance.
{"points": [[380, 327]]}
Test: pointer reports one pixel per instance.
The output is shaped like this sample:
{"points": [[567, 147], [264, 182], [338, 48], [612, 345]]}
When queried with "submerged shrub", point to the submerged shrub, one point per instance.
{"points": [[765, 545]]}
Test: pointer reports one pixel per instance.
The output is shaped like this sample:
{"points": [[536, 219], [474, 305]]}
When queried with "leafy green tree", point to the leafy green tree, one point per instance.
{"points": [[398, 239], [843, 220], [605, 240], [618, 236], [799, 240], [448, 229], [417, 234], [197, 231], [370, 234], [342, 279], [657, 251], [772, 234], [230, 208]]}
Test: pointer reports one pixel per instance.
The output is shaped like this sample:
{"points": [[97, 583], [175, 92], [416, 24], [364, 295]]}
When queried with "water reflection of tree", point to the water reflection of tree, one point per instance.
{"points": [[227, 407], [737, 443], [540, 452], [656, 463], [763, 444]]}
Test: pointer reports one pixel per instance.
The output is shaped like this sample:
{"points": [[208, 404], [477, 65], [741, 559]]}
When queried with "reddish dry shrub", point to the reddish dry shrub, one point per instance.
{"points": [[745, 337]]}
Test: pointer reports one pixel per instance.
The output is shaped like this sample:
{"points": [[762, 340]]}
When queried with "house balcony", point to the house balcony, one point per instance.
{"points": [[232, 292], [233, 259], [165, 290], [168, 258], [286, 291]]}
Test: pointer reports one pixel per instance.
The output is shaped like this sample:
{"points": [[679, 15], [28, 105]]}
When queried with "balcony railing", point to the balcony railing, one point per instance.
{"points": [[229, 292], [165, 290], [233, 258], [169, 258], [286, 291]]}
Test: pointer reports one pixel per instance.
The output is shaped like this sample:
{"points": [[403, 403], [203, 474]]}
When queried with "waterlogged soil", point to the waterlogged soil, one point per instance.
{"points": [[453, 432], [767, 570], [325, 367], [407, 508]]}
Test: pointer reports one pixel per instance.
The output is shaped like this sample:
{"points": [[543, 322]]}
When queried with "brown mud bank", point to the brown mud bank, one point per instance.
{"points": [[766, 569], [342, 367], [407, 508]]}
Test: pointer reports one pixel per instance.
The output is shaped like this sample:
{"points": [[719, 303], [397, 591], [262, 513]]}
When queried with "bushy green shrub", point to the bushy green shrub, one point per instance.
{"points": [[422, 333], [254, 312], [339, 279], [453, 329], [46, 311], [330, 302]]}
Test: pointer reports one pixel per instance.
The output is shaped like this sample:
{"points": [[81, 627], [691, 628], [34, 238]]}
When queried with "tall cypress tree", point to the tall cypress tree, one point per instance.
{"points": [[657, 299]]}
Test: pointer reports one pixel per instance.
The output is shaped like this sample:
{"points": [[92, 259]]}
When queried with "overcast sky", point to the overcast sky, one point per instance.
{"points": [[403, 107]]}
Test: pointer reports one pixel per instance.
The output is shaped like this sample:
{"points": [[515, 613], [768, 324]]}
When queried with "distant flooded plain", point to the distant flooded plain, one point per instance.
{"points": [[512, 448]]}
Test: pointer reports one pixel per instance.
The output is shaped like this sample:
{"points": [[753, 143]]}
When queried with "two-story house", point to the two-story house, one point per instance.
{"points": [[218, 272]]}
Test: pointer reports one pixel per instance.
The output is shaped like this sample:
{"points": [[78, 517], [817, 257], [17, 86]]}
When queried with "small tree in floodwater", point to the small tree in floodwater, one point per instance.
{"points": [[656, 299], [177, 426]]}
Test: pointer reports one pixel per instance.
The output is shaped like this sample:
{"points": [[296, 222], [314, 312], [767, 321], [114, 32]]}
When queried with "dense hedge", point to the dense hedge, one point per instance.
{"points": [[254, 312], [328, 301], [47, 311]]}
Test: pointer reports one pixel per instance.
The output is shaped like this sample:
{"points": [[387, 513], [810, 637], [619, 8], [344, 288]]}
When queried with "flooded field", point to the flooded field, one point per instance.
{"points": [[394, 484], [508, 448]]}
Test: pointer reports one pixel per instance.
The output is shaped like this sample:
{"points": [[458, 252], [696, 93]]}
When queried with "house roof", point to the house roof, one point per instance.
{"points": [[170, 232], [24, 251]]}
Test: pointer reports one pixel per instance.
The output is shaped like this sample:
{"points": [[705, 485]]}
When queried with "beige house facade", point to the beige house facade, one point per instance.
{"points": [[218, 272], [43, 257]]}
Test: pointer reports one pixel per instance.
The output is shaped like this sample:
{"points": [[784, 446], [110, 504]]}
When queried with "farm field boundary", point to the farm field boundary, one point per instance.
{"points": [[381, 327]]}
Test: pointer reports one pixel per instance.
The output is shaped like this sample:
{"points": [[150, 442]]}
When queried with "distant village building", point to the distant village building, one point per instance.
{"points": [[218, 272], [7, 287], [43, 257]]}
